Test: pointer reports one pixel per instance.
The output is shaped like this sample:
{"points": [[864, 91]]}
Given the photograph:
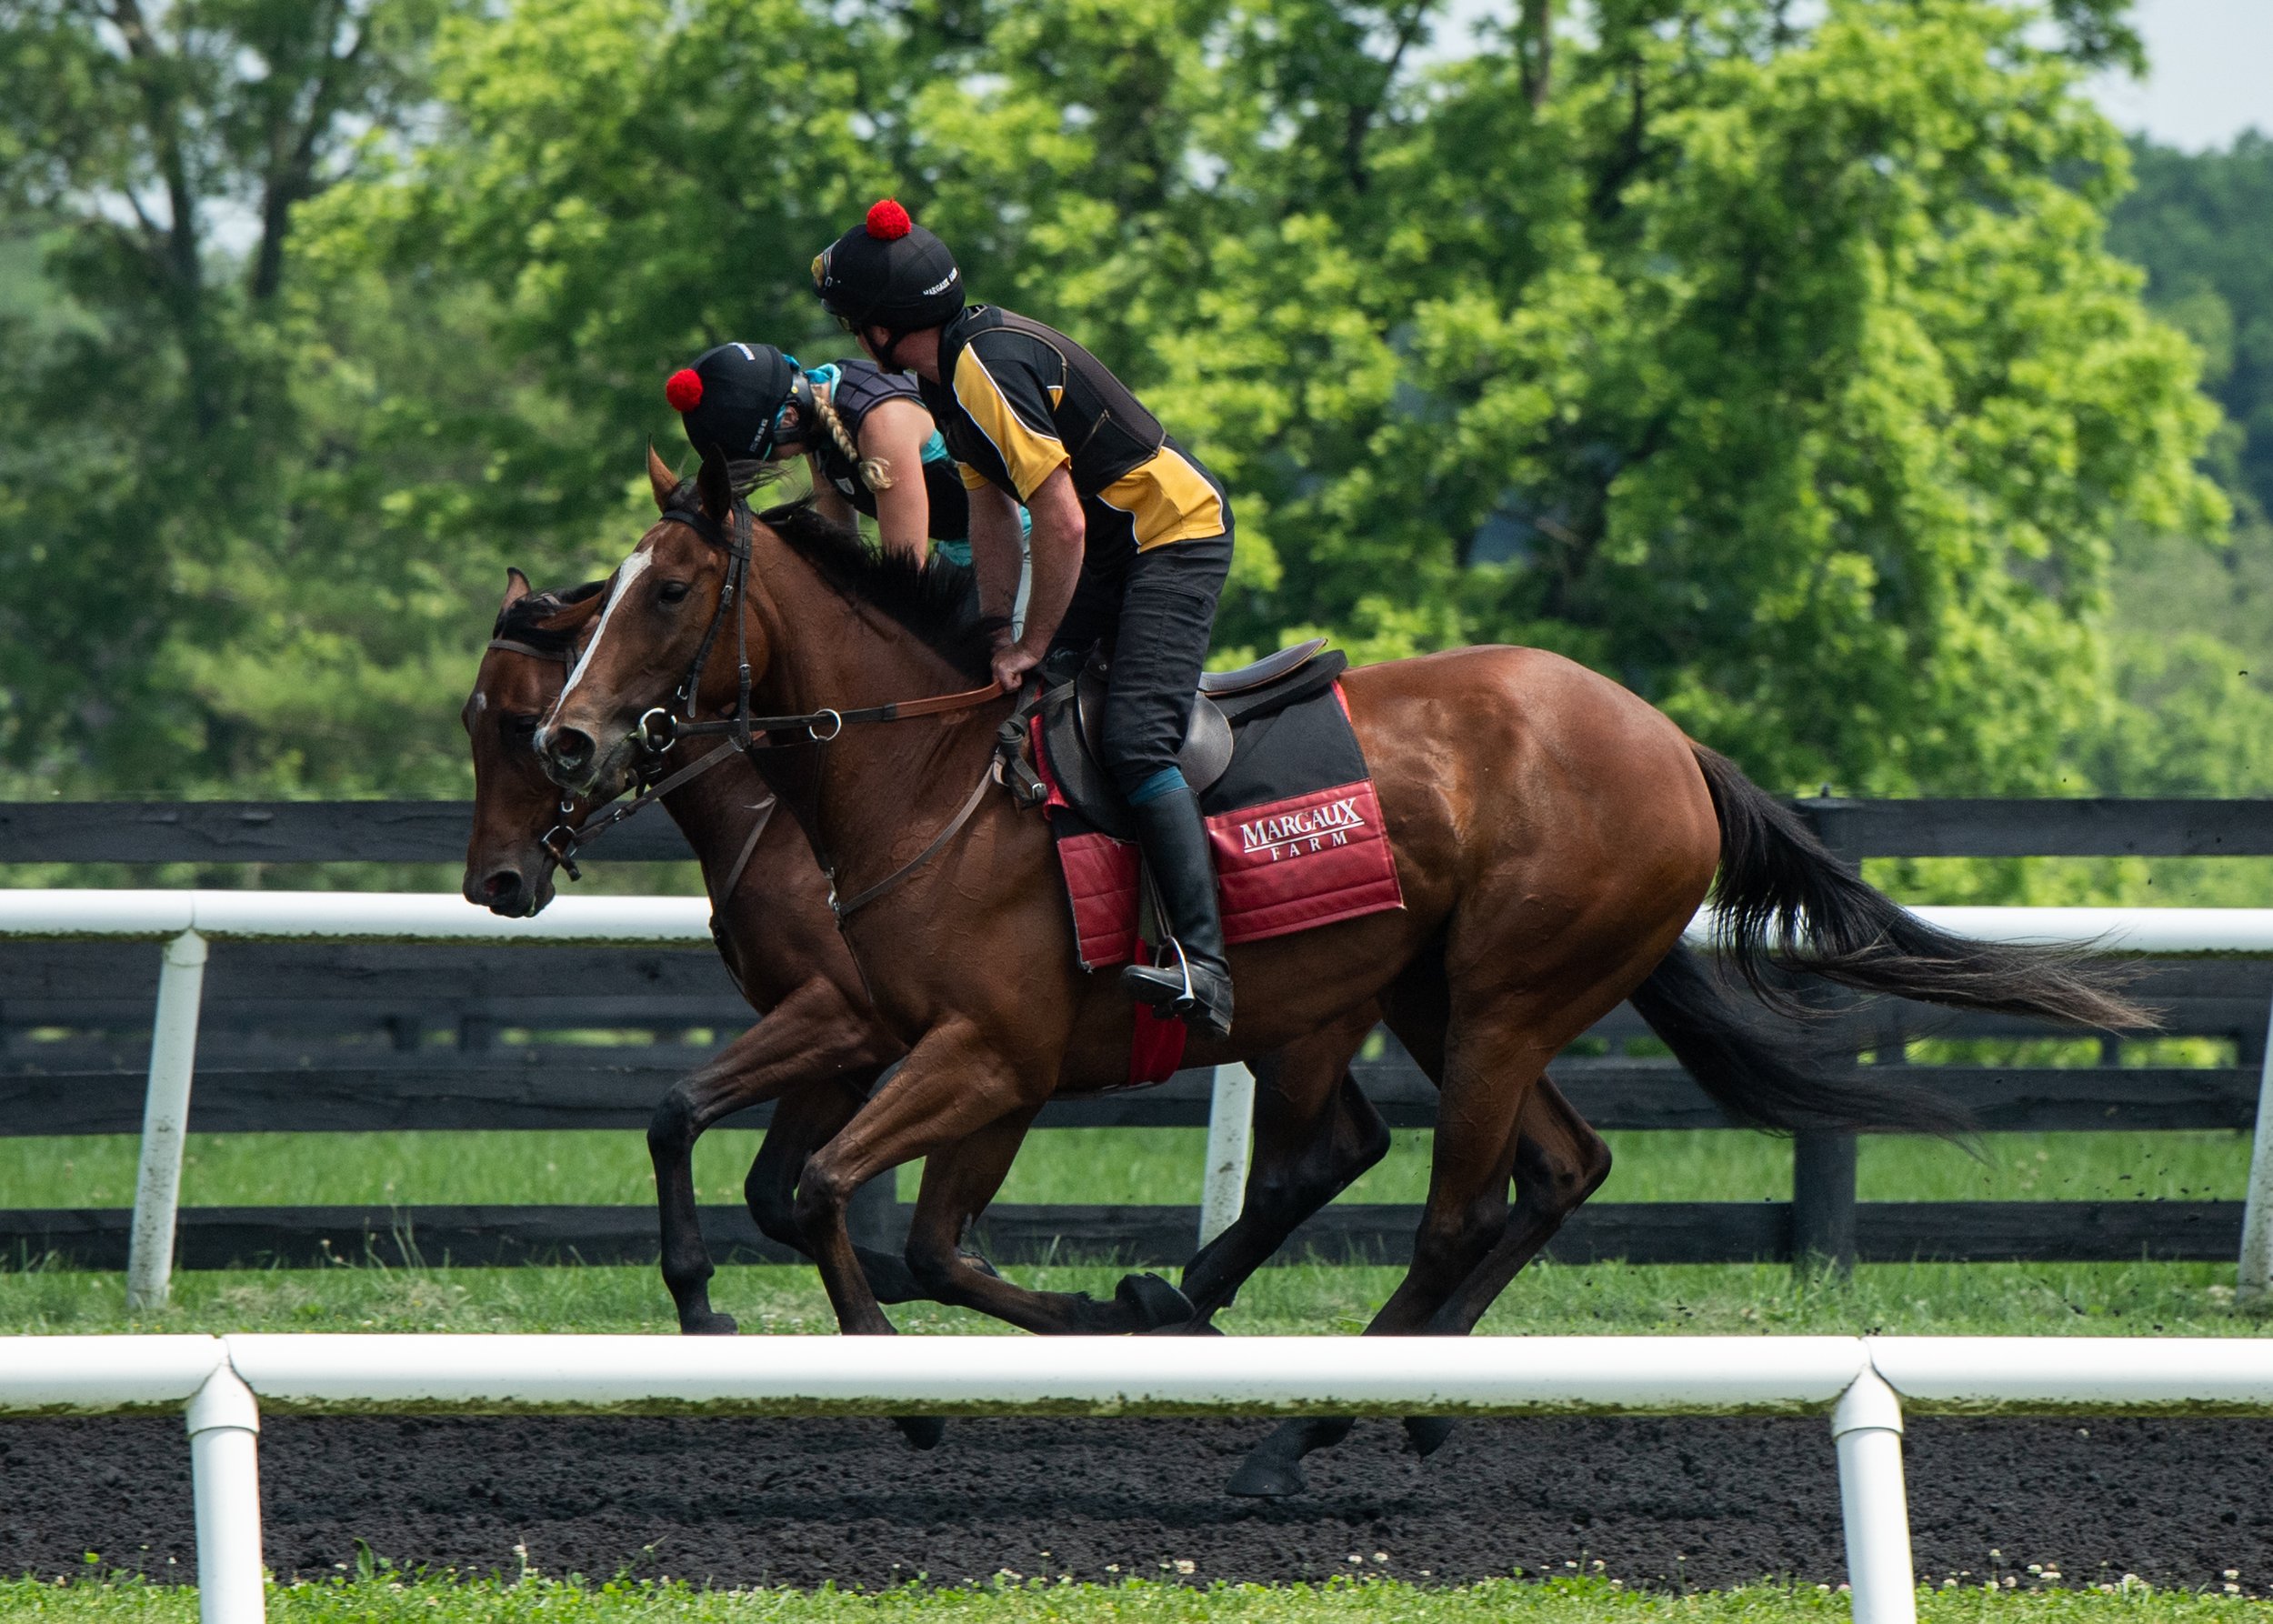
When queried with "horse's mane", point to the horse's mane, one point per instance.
{"points": [[938, 601], [523, 620]]}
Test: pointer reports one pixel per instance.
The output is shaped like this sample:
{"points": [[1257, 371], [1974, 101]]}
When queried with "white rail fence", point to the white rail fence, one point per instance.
{"points": [[185, 922], [1864, 1385]]}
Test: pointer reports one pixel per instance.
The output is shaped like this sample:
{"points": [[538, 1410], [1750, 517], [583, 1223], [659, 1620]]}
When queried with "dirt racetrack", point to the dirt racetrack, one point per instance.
{"points": [[1689, 1502]]}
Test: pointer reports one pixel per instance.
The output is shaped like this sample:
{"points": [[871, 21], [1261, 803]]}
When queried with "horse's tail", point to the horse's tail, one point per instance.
{"points": [[1785, 903], [1772, 1075]]}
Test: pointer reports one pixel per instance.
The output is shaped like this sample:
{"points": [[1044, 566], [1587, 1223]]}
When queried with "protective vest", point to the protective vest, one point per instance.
{"points": [[1017, 400]]}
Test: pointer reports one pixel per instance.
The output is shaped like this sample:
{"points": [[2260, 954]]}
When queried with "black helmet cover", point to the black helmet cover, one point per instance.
{"points": [[733, 395], [888, 272]]}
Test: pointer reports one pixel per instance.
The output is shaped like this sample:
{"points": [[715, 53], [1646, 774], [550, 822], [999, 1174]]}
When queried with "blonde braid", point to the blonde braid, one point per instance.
{"points": [[873, 471]]}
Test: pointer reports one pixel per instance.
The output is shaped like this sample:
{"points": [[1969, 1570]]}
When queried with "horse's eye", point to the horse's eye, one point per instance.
{"points": [[672, 592], [517, 727]]}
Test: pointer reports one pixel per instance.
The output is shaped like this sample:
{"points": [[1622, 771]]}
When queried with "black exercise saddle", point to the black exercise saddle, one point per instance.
{"points": [[1072, 723]]}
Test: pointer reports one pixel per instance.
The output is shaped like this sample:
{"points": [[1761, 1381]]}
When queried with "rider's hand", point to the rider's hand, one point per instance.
{"points": [[1012, 662]]}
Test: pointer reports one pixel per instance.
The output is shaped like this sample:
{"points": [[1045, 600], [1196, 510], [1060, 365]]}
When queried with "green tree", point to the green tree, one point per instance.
{"points": [[2202, 226], [147, 441], [1781, 373], [1770, 359]]}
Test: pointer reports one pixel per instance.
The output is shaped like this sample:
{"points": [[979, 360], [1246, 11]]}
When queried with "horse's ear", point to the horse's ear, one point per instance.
{"points": [[713, 485], [516, 588], [661, 480]]}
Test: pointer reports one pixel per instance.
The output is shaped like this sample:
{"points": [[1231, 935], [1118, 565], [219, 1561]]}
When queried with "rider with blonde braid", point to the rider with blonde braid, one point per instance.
{"points": [[864, 432], [1131, 542]]}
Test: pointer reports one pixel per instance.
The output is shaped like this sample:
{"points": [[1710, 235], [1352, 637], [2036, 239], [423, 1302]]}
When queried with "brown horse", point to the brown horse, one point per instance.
{"points": [[821, 1048], [1553, 834]]}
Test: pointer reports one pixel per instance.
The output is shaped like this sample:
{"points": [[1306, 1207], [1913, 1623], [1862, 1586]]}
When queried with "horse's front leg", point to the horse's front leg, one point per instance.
{"points": [[952, 1086], [805, 1118], [812, 1037]]}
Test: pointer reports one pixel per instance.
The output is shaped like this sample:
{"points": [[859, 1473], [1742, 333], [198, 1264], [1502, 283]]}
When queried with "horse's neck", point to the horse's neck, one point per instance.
{"points": [[875, 783]]}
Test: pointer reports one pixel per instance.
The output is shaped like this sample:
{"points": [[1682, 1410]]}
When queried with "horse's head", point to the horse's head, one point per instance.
{"points": [[662, 614], [508, 869]]}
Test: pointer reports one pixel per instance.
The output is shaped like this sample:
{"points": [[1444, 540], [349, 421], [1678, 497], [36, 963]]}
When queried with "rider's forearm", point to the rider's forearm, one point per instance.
{"points": [[996, 553], [893, 436], [1057, 543], [903, 520]]}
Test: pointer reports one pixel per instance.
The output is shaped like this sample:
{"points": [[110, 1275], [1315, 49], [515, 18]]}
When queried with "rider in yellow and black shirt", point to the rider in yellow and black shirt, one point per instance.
{"points": [[1131, 541]]}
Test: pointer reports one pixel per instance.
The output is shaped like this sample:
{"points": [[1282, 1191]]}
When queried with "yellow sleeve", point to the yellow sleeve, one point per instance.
{"points": [[1030, 452], [972, 478]]}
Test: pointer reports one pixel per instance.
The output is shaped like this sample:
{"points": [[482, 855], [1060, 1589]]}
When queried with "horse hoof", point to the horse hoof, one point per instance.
{"points": [[922, 1432], [1428, 1433], [1154, 1301], [1260, 1476], [709, 1325]]}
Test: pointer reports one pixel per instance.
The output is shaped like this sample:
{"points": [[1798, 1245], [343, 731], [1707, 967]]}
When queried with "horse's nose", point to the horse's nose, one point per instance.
{"points": [[501, 893], [570, 750]]}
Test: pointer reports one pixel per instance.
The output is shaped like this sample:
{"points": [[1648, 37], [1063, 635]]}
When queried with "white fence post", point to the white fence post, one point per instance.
{"points": [[165, 1121], [2255, 1277], [225, 1474], [1230, 1124], [1868, 1427]]}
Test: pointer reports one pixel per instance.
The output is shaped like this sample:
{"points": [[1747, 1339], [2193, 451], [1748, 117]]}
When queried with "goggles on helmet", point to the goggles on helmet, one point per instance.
{"points": [[780, 432]]}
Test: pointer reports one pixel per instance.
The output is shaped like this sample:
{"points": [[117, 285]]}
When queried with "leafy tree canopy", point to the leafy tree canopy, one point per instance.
{"points": [[1777, 365]]}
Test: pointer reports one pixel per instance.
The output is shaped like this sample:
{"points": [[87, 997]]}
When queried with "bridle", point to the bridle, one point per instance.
{"points": [[564, 840]]}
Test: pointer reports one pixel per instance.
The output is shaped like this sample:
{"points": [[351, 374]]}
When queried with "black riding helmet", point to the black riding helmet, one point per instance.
{"points": [[733, 396], [888, 272]]}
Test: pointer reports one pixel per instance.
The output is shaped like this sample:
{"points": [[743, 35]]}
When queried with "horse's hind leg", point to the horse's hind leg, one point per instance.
{"points": [[1315, 1132], [1560, 1161], [1486, 1084]]}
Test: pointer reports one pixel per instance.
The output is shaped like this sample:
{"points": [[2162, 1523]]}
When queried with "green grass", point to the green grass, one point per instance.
{"points": [[1136, 1165], [381, 1599], [1090, 1165], [1732, 1300]]}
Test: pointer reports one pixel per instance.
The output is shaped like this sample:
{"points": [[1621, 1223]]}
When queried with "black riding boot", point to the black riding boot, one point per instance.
{"points": [[1195, 982]]}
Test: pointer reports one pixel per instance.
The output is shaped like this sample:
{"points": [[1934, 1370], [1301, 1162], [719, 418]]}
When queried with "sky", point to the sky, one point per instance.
{"points": [[2210, 73]]}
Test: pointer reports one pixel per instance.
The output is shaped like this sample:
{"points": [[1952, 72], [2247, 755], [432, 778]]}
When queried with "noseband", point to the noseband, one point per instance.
{"points": [[564, 840]]}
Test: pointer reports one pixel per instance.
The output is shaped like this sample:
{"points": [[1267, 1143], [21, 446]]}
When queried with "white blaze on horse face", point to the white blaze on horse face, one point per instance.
{"points": [[632, 569]]}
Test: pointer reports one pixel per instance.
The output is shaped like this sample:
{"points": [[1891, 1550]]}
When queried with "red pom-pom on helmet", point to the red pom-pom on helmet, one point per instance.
{"points": [[683, 389], [888, 221]]}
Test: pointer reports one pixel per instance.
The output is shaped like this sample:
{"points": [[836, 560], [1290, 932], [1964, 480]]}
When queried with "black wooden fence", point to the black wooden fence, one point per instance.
{"points": [[339, 1038]]}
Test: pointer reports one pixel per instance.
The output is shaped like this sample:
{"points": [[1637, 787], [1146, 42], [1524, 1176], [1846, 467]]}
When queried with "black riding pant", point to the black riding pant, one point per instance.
{"points": [[1155, 622]]}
